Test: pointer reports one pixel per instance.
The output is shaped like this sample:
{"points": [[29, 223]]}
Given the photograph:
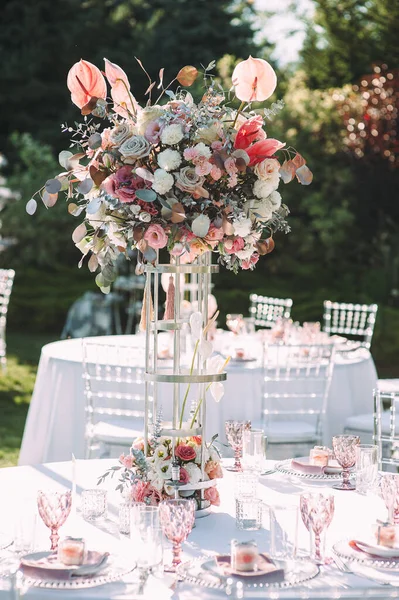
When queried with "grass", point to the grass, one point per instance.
{"points": [[16, 387]]}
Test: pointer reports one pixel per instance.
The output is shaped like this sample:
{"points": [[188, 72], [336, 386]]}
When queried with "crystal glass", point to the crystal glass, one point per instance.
{"points": [[317, 511], [124, 518], [234, 431], [366, 467], [148, 550], [344, 447], [389, 487], [253, 450], [246, 484], [177, 519], [143, 517], [94, 504], [248, 513], [54, 509], [283, 531]]}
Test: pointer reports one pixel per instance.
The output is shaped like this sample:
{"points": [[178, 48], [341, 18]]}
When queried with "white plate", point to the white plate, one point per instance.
{"points": [[377, 550], [333, 468]]}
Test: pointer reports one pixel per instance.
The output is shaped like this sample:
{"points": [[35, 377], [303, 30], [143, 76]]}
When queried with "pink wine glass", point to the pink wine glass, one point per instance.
{"points": [[317, 511], [234, 431], [389, 486], [54, 509], [177, 518], [344, 447]]}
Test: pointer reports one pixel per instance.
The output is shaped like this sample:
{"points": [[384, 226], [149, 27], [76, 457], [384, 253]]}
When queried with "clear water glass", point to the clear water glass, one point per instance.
{"points": [[248, 513], [366, 467], [283, 531], [143, 518], [246, 483], [94, 504], [25, 532], [253, 450]]}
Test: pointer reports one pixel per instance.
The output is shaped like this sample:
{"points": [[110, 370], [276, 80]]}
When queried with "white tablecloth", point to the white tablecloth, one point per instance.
{"points": [[55, 424], [353, 517]]}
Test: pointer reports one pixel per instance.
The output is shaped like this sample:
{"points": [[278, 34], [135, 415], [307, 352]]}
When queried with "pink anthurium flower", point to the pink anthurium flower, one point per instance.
{"points": [[250, 131], [254, 80], [114, 73], [263, 149], [125, 103], [85, 81]]}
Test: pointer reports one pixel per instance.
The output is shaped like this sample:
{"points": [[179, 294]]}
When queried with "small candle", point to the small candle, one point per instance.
{"points": [[244, 555], [319, 457], [386, 535], [71, 551]]}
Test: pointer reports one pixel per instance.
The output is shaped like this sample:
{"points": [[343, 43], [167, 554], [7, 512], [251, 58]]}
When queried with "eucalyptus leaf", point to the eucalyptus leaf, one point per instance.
{"points": [[31, 206], [63, 158], [93, 206], [49, 199], [93, 263], [53, 186], [211, 65], [85, 186], [94, 141], [79, 233], [74, 209], [149, 254], [146, 195], [170, 94]]}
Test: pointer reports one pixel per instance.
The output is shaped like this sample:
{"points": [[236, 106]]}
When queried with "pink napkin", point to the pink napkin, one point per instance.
{"points": [[305, 467], [48, 567]]}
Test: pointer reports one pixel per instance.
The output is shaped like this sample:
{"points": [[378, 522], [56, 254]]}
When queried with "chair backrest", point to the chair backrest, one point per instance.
{"points": [[6, 282], [113, 379], [386, 429], [356, 320], [296, 381], [266, 310]]}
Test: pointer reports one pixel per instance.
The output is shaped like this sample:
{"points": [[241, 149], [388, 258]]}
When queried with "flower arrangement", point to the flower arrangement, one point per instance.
{"points": [[189, 177]]}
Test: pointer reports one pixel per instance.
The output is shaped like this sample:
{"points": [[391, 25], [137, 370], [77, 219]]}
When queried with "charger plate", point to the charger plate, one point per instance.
{"points": [[114, 569], [285, 467], [346, 552], [198, 573]]}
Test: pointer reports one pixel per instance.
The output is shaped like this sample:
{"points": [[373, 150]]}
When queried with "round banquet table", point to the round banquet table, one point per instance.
{"points": [[353, 517], [56, 420]]}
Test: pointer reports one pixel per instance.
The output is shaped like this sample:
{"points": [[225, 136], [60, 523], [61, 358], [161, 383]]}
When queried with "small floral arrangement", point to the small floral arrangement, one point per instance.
{"points": [[189, 177], [148, 478]]}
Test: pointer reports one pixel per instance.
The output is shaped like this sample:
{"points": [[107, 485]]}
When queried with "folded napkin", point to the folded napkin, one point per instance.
{"points": [[45, 565], [267, 570], [303, 465]]}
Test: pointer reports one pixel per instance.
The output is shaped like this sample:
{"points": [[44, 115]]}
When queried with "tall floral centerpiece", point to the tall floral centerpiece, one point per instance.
{"points": [[193, 178]]}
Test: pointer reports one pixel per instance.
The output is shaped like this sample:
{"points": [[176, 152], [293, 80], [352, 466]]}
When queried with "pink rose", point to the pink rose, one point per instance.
{"points": [[156, 237], [248, 262], [215, 173], [230, 166], [212, 495], [214, 235], [153, 131], [138, 444], [213, 470], [233, 245], [185, 452], [217, 145], [203, 168], [184, 476], [143, 491], [127, 461], [123, 185], [197, 439]]}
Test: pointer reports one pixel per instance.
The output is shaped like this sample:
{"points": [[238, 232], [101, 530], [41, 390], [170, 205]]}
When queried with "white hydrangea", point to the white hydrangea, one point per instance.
{"points": [[172, 134], [203, 150], [242, 226], [169, 159], [194, 472], [163, 181], [264, 187]]}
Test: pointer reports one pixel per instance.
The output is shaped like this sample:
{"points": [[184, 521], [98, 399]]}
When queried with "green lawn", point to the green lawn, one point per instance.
{"points": [[16, 386]]}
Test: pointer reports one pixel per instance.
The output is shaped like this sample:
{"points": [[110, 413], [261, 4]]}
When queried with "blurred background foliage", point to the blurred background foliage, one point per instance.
{"points": [[344, 243]]}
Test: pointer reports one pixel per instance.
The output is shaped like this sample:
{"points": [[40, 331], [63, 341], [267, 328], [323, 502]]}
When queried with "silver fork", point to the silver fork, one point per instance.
{"points": [[359, 572]]}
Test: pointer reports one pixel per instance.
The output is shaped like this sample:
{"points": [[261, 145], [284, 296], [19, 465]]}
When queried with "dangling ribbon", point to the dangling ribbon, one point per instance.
{"points": [[170, 301], [143, 317]]}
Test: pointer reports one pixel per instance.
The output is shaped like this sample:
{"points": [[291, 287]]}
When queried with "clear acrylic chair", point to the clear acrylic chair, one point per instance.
{"points": [[296, 384], [386, 429], [356, 320], [266, 310], [6, 282], [114, 392]]}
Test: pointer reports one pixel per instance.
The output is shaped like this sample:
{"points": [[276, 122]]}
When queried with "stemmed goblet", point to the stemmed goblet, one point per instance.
{"points": [[317, 511], [344, 447], [177, 518], [389, 486], [54, 509], [234, 431]]}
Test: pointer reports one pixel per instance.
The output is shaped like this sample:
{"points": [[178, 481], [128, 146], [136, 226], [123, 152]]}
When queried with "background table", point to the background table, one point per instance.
{"points": [[353, 516], [56, 420]]}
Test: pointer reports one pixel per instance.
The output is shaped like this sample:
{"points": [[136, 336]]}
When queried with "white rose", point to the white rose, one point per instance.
{"points": [[135, 147], [163, 181], [187, 179], [146, 115], [172, 134], [242, 226], [267, 168], [121, 133], [264, 187], [259, 210], [169, 159], [194, 473]]}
